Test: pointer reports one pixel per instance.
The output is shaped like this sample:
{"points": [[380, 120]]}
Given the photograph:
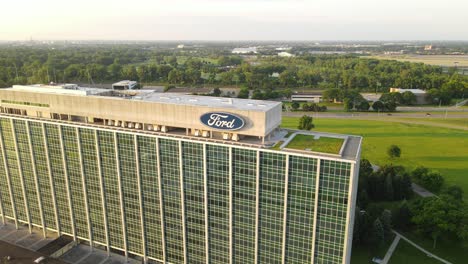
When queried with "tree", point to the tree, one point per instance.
{"points": [[455, 191], [257, 94], [386, 219], [363, 106], [333, 95], [377, 235], [378, 106], [348, 104], [419, 172], [402, 216], [305, 123], [406, 188], [394, 151], [438, 216], [408, 98], [216, 92], [388, 187], [365, 167], [433, 181], [243, 93], [295, 105]]}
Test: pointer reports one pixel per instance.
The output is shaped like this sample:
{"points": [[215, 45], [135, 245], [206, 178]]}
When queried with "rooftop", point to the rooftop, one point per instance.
{"points": [[316, 143], [415, 91], [152, 96], [320, 143], [228, 103]]}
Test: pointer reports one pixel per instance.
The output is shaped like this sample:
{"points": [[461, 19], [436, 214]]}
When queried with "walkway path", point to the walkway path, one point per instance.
{"points": [[429, 254], [392, 247], [421, 191]]}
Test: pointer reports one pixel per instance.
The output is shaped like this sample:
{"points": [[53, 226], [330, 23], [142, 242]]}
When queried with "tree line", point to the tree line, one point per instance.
{"points": [[269, 75], [443, 216]]}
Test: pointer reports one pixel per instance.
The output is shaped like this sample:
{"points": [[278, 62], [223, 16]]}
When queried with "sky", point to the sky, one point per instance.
{"points": [[288, 20]]}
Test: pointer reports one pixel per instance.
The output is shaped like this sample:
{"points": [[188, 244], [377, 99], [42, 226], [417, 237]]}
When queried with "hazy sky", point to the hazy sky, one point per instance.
{"points": [[234, 19]]}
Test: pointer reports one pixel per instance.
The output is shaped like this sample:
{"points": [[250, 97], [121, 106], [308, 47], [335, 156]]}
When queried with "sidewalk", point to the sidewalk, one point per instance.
{"points": [[429, 254], [391, 249]]}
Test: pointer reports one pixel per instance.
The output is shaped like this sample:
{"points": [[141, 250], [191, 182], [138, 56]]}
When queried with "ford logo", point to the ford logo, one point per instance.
{"points": [[224, 121]]}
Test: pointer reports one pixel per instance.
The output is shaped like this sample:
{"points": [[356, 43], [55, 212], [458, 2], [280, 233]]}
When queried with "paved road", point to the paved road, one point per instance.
{"points": [[391, 249], [378, 115], [395, 117], [429, 254]]}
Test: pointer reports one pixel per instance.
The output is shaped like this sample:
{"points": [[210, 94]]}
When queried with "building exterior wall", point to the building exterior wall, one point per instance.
{"points": [[307, 98], [114, 108], [175, 200]]}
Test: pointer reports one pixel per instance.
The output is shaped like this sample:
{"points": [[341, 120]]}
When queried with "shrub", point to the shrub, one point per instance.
{"points": [[394, 151], [305, 123]]}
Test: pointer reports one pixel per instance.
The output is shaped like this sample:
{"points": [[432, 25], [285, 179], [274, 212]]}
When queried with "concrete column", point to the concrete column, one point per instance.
{"points": [[205, 194], [85, 192], [257, 207], [285, 208], [122, 209], [317, 188], [51, 180], [351, 208], [1, 210], [67, 182], [36, 181], [20, 173], [231, 212], [161, 207], [7, 174], [103, 198], [140, 199], [182, 202]]}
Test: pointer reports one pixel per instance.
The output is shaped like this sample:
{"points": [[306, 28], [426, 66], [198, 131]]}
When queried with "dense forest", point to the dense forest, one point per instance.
{"points": [[150, 65]]}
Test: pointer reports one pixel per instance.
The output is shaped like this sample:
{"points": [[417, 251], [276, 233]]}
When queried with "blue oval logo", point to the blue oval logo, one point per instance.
{"points": [[223, 121]]}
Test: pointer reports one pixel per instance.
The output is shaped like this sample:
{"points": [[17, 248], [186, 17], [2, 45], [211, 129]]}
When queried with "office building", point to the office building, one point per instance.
{"points": [[173, 178]]}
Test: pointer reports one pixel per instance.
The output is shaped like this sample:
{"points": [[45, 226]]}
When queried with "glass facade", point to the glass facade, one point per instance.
{"points": [[172, 200]]}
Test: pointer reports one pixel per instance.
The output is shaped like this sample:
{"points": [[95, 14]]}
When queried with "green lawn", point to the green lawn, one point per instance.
{"points": [[462, 122], [441, 149], [405, 253], [322, 144], [449, 250], [363, 255]]}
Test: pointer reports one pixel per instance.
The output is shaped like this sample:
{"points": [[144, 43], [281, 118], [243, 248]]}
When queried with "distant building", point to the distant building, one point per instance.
{"points": [[421, 95], [283, 48], [315, 97], [275, 75], [244, 50], [229, 91], [156, 88], [189, 90], [124, 85], [428, 47], [371, 97], [285, 54], [180, 46]]}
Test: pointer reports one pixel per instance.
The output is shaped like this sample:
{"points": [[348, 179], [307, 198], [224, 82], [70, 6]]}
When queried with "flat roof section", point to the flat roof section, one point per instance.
{"points": [[153, 96], [197, 100], [316, 143], [319, 143]]}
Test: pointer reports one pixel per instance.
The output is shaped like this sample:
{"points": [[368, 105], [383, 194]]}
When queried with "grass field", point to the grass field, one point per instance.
{"points": [[441, 149], [462, 122], [322, 144], [449, 250], [443, 60], [363, 255], [405, 253]]}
